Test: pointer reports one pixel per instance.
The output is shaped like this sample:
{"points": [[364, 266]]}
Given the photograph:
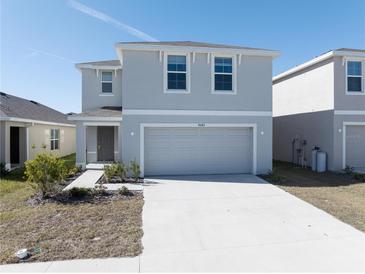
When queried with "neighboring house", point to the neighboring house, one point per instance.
{"points": [[28, 128], [178, 108], [322, 103]]}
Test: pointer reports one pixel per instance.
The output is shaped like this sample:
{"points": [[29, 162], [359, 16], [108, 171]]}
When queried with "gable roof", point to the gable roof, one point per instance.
{"points": [[16, 107], [342, 52], [189, 44], [195, 47]]}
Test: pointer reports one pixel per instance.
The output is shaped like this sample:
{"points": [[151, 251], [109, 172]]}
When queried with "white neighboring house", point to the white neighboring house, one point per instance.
{"points": [[178, 108], [322, 103], [28, 127]]}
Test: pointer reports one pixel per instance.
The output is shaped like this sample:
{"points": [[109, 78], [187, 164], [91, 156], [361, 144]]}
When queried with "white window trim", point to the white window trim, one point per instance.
{"points": [[176, 91], [54, 139], [362, 92], [234, 75], [101, 90]]}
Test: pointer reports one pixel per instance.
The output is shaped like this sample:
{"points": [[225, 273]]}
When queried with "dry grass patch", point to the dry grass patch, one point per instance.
{"points": [[340, 195], [107, 228]]}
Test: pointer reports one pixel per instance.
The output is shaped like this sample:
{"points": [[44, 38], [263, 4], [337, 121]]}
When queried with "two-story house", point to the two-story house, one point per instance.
{"points": [[322, 103], [178, 108]]}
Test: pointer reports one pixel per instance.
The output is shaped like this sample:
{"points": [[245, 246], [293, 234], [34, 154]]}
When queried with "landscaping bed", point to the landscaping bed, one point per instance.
{"points": [[76, 224], [341, 195]]}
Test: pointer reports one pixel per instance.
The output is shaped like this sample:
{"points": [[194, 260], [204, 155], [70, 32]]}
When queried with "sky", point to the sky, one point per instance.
{"points": [[41, 40]]}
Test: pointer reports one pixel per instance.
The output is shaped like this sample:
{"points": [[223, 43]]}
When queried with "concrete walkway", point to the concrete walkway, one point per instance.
{"points": [[87, 179], [235, 223]]}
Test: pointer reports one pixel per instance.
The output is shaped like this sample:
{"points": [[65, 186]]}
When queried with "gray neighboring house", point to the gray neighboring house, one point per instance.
{"points": [[28, 127], [178, 108], [322, 102]]}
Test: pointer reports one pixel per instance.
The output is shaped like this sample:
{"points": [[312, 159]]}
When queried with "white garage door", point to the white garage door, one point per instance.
{"points": [[355, 146], [181, 151]]}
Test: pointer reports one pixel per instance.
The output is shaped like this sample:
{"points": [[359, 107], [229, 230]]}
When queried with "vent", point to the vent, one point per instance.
{"points": [[34, 102], [3, 94]]}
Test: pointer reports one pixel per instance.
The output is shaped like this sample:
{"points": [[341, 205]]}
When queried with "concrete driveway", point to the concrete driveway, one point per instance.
{"points": [[241, 223]]}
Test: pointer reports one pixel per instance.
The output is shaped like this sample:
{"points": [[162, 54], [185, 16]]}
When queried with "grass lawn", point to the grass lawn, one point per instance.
{"points": [[338, 194], [111, 228]]}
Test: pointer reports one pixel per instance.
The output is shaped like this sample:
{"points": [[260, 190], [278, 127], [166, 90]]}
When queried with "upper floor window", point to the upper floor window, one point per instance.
{"points": [[176, 72], [55, 139], [107, 82], [223, 78], [354, 76]]}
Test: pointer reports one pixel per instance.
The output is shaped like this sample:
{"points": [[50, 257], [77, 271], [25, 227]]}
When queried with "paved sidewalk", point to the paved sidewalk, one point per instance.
{"points": [[87, 179]]}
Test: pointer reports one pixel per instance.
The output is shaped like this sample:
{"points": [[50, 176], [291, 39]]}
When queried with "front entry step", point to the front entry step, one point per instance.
{"points": [[95, 166], [87, 180]]}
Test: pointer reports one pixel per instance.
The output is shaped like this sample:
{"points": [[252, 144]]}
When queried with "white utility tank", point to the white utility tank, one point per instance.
{"points": [[321, 161], [314, 159]]}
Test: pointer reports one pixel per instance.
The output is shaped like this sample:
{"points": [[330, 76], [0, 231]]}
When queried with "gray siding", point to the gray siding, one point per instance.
{"points": [[91, 90], [143, 87], [344, 101], [316, 128]]}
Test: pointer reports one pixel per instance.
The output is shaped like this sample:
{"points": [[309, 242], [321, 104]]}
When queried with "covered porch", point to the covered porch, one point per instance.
{"points": [[98, 136]]}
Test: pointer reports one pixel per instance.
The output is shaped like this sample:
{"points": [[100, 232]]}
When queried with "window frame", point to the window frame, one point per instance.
{"points": [[347, 75], [234, 74], [54, 139], [166, 71], [102, 81]]}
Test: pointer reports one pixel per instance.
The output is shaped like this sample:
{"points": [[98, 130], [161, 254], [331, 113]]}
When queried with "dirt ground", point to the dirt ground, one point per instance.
{"points": [[60, 231], [341, 195]]}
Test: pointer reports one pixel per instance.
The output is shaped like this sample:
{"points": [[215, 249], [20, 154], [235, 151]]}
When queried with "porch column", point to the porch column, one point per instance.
{"points": [[119, 128], [81, 145], [7, 146]]}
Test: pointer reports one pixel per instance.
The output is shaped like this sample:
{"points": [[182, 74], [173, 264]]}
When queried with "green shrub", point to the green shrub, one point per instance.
{"points": [[79, 192], [349, 170], [358, 176], [115, 170], [136, 170], [125, 191], [44, 171], [72, 171], [3, 170]]}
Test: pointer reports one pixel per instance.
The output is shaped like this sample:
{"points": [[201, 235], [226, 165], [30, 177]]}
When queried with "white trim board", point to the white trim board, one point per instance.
{"points": [[101, 124], [94, 118], [349, 112], [195, 125], [344, 124], [196, 112], [21, 120]]}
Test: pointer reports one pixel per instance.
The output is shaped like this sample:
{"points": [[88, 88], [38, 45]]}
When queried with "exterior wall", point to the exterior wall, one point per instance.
{"points": [[92, 97], [345, 101], [143, 85], [37, 134], [316, 128], [338, 136], [40, 134], [310, 90], [131, 134], [91, 144]]}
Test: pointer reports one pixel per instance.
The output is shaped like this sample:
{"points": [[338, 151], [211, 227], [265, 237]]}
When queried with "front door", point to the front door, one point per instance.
{"points": [[105, 143], [14, 145]]}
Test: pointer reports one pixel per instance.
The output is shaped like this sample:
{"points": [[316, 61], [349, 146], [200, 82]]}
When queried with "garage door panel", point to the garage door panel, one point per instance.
{"points": [[174, 151], [355, 146]]}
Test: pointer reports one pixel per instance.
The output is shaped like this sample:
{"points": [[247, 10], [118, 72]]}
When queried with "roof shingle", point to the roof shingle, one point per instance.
{"points": [[16, 107]]}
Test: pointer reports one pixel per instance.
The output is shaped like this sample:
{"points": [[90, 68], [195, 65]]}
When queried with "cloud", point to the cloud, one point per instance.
{"points": [[36, 52], [109, 20]]}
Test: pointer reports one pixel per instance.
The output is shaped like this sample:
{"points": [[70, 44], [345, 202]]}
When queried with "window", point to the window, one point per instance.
{"points": [[176, 72], [55, 139], [354, 76], [106, 82], [223, 82]]}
